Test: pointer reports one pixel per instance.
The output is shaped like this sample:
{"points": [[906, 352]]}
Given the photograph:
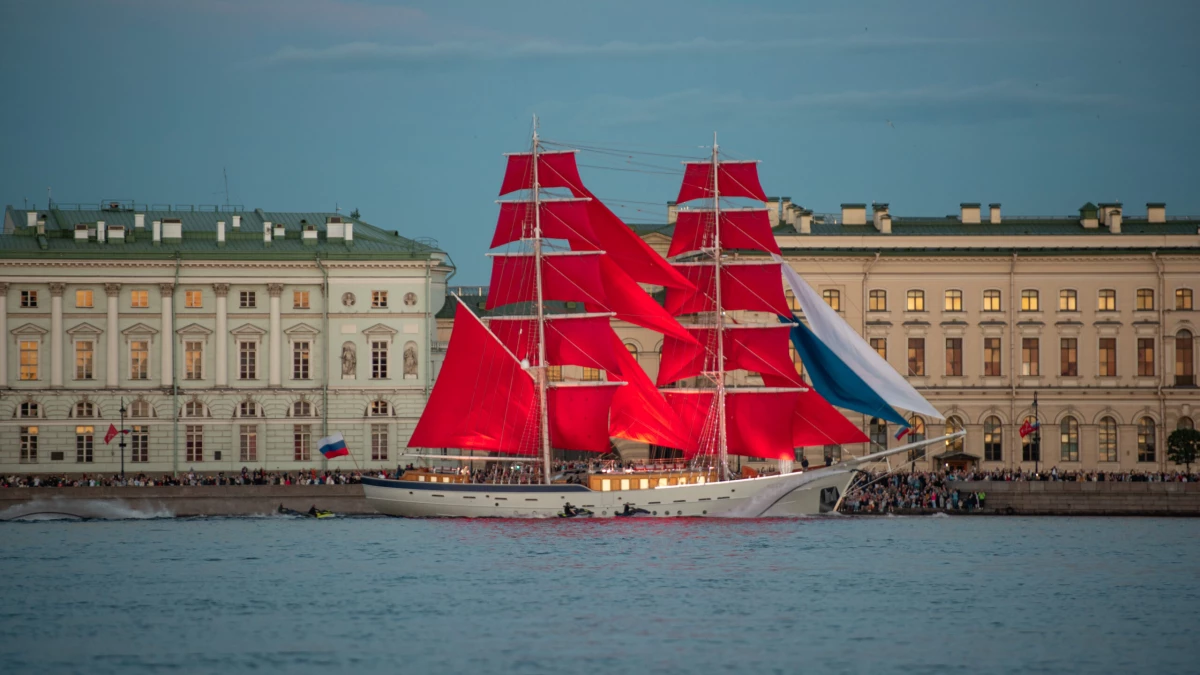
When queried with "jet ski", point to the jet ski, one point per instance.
{"points": [[631, 510], [314, 512], [574, 511]]}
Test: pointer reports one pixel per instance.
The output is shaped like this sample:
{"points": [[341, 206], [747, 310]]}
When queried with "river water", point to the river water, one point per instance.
{"points": [[826, 595]]}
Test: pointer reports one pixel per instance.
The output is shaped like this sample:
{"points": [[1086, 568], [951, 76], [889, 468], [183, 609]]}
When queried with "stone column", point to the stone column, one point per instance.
{"points": [[275, 374], [56, 335], [222, 291], [166, 365], [3, 335], [112, 366]]}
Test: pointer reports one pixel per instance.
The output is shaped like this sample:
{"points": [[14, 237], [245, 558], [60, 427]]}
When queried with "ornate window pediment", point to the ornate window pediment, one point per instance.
{"points": [[84, 330], [29, 331], [380, 332], [138, 330], [248, 331], [300, 331]]}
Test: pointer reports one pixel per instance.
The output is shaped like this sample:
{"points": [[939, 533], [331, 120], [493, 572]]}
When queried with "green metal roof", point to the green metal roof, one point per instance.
{"points": [[199, 240]]}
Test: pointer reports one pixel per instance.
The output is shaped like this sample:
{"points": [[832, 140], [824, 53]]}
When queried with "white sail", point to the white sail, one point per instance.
{"points": [[849, 346]]}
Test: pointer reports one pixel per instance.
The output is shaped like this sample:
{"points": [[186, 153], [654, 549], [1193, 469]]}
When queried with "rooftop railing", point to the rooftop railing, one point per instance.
{"points": [[128, 205]]}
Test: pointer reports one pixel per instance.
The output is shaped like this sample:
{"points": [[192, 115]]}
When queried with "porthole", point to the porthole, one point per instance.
{"points": [[704, 513]]}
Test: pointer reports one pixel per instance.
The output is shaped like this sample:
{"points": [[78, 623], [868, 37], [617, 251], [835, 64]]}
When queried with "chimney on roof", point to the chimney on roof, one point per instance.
{"points": [[335, 229], [266, 233], [279, 231], [116, 234], [1156, 212], [773, 210], [969, 213], [805, 221], [785, 206], [1087, 216], [139, 220], [172, 229], [350, 234], [672, 213], [220, 233], [100, 231], [885, 224], [308, 234], [854, 214], [994, 214], [1114, 219], [81, 232], [157, 233], [237, 221], [878, 212], [31, 218]]}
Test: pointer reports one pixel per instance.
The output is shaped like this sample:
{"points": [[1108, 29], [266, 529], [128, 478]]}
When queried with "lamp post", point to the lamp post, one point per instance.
{"points": [[121, 433], [1037, 436]]}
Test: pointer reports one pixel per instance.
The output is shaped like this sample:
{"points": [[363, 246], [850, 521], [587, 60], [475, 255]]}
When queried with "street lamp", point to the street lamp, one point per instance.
{"points": [[122, 443]]}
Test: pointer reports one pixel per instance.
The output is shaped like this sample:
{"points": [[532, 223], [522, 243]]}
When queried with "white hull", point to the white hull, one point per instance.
{"points": [[796, 494]]}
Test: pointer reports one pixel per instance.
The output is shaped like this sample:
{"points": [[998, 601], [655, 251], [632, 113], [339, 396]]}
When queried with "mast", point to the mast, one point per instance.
{"points": [[722, 447], [543, 411]]}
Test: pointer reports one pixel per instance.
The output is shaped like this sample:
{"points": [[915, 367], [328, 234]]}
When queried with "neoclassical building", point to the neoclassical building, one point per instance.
{"points": [[233, 338], [1094, 312]]}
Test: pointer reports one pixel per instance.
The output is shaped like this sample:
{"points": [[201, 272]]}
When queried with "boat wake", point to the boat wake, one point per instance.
{"points": [[59, 508]]}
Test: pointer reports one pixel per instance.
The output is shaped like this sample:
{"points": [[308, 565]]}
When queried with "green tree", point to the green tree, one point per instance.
{"points": [[1183, 446], [354, 213]]}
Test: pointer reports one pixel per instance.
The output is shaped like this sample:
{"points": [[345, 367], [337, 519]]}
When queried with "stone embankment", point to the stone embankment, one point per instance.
{"points": [[1058, 498], [181, 501]]}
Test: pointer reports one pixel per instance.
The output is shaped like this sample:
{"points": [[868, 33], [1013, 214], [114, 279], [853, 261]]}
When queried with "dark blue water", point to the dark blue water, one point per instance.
{"points": [[374, 595]]}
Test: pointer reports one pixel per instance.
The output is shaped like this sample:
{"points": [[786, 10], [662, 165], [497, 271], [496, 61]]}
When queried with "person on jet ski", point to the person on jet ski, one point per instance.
{"points": [[629, 510], [312, 510], [569, 510]]}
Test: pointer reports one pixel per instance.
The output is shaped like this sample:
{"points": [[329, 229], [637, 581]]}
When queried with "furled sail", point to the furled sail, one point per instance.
{"points": [[482, 399]]}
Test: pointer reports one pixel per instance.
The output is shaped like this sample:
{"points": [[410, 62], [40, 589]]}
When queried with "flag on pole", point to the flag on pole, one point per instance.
{"points": [[1028, 428], [902, 432], [112, 433], [334, 446]]}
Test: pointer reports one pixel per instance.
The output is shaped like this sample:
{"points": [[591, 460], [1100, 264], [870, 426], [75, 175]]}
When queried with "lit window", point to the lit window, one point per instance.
{"points": [[248, 443], [833, 298], [792, 302], [953, 301], [1068, 300], [302, 409], [916, 435], [1145, 440], [29, 299], [554, 373], [1145, 299], [29, 445], [1108, 440], [379, 299], [591, 375], [1029, 301], [1107, 300], [29, 359], [954, 425], [301, 442], [83, 299], [1030, 357], [991, 300], [247, 360], [84, 444], [1185, 364], [877, 300], [85, 357], [633, 350], [1108, 357], [380, 409], [1183, 298], [299, 299], [300, 360], [140, 409], [916, 357], [991, 357], [379, 360], [954, 360], [1031, 444], [879, 433], [916, 301], [139, 299], [85, 409], [193, 298], [193, 435], [247, 299], [1145, 347], [1068, 440], [194, 409], [379, 442], [1068, 349], [879, 345], [193, 359], [139, 360]]}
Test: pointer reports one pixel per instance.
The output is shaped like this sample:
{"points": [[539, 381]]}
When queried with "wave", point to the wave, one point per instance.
{"points": [[62, 508]]}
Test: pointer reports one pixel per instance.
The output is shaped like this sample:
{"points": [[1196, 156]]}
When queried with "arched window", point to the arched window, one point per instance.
{"points": [[632, 349], [140, 409], [248, 409], [879, 433], [29, 410], [1031, 450], [1068, 442], [953, 301], [1185, 364], [302, 409], [1146, 442], [916, 301], [877, 301], [954, 424], [1106, 301], [380, 409], [1145, 299], [1185, 423], [1029, 300], [917, 433], [194, 409], [85, 409], [991, 300], [993, 440], [1108, 440]]}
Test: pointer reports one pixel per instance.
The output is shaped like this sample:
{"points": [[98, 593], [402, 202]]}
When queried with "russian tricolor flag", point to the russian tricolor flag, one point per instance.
{"points": [[902, 432], [334, 446]]}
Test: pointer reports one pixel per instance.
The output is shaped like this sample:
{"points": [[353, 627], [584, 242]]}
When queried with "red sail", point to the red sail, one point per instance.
{"points": [[816, 422], [579, 416], [482, 399], [633, 254], [570, 340], [561, 219], [761, 349], [555, 170], [755, 421], [632, 304], [740, 229], [735, 179], [570, 278], [639, 412], [757, 287]]}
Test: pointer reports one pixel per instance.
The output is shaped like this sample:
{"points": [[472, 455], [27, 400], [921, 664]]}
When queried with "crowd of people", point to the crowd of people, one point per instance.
{"points": [[1073, 476], [191, 477]]}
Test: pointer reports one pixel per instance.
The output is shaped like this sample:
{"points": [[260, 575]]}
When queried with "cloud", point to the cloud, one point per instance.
{"points": [[376, 55]]}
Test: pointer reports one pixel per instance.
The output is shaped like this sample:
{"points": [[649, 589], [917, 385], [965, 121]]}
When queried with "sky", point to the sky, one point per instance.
{"points": [[403, 111]]}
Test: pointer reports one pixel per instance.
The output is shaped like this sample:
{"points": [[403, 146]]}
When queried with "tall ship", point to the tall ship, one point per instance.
{"points": [[530, 443]]}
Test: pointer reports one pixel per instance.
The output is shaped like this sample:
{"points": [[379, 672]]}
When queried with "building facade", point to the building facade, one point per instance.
{"points": [[233, 338], [1094, 313]]}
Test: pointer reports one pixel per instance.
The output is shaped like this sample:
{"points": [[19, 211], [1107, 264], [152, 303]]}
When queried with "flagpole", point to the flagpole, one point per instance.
{"points": [[1037, 435], [122, 434]]}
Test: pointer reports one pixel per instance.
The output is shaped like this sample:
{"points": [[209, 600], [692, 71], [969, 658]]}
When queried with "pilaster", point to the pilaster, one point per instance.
{"points": [[56, 335], [166, 367], [222, 339], [4, 335], [112, 341], [275, 374]]}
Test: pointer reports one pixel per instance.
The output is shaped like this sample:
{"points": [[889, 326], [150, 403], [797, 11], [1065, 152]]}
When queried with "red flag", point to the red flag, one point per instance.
{"points": [[112, 433], [1026, 429]]}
